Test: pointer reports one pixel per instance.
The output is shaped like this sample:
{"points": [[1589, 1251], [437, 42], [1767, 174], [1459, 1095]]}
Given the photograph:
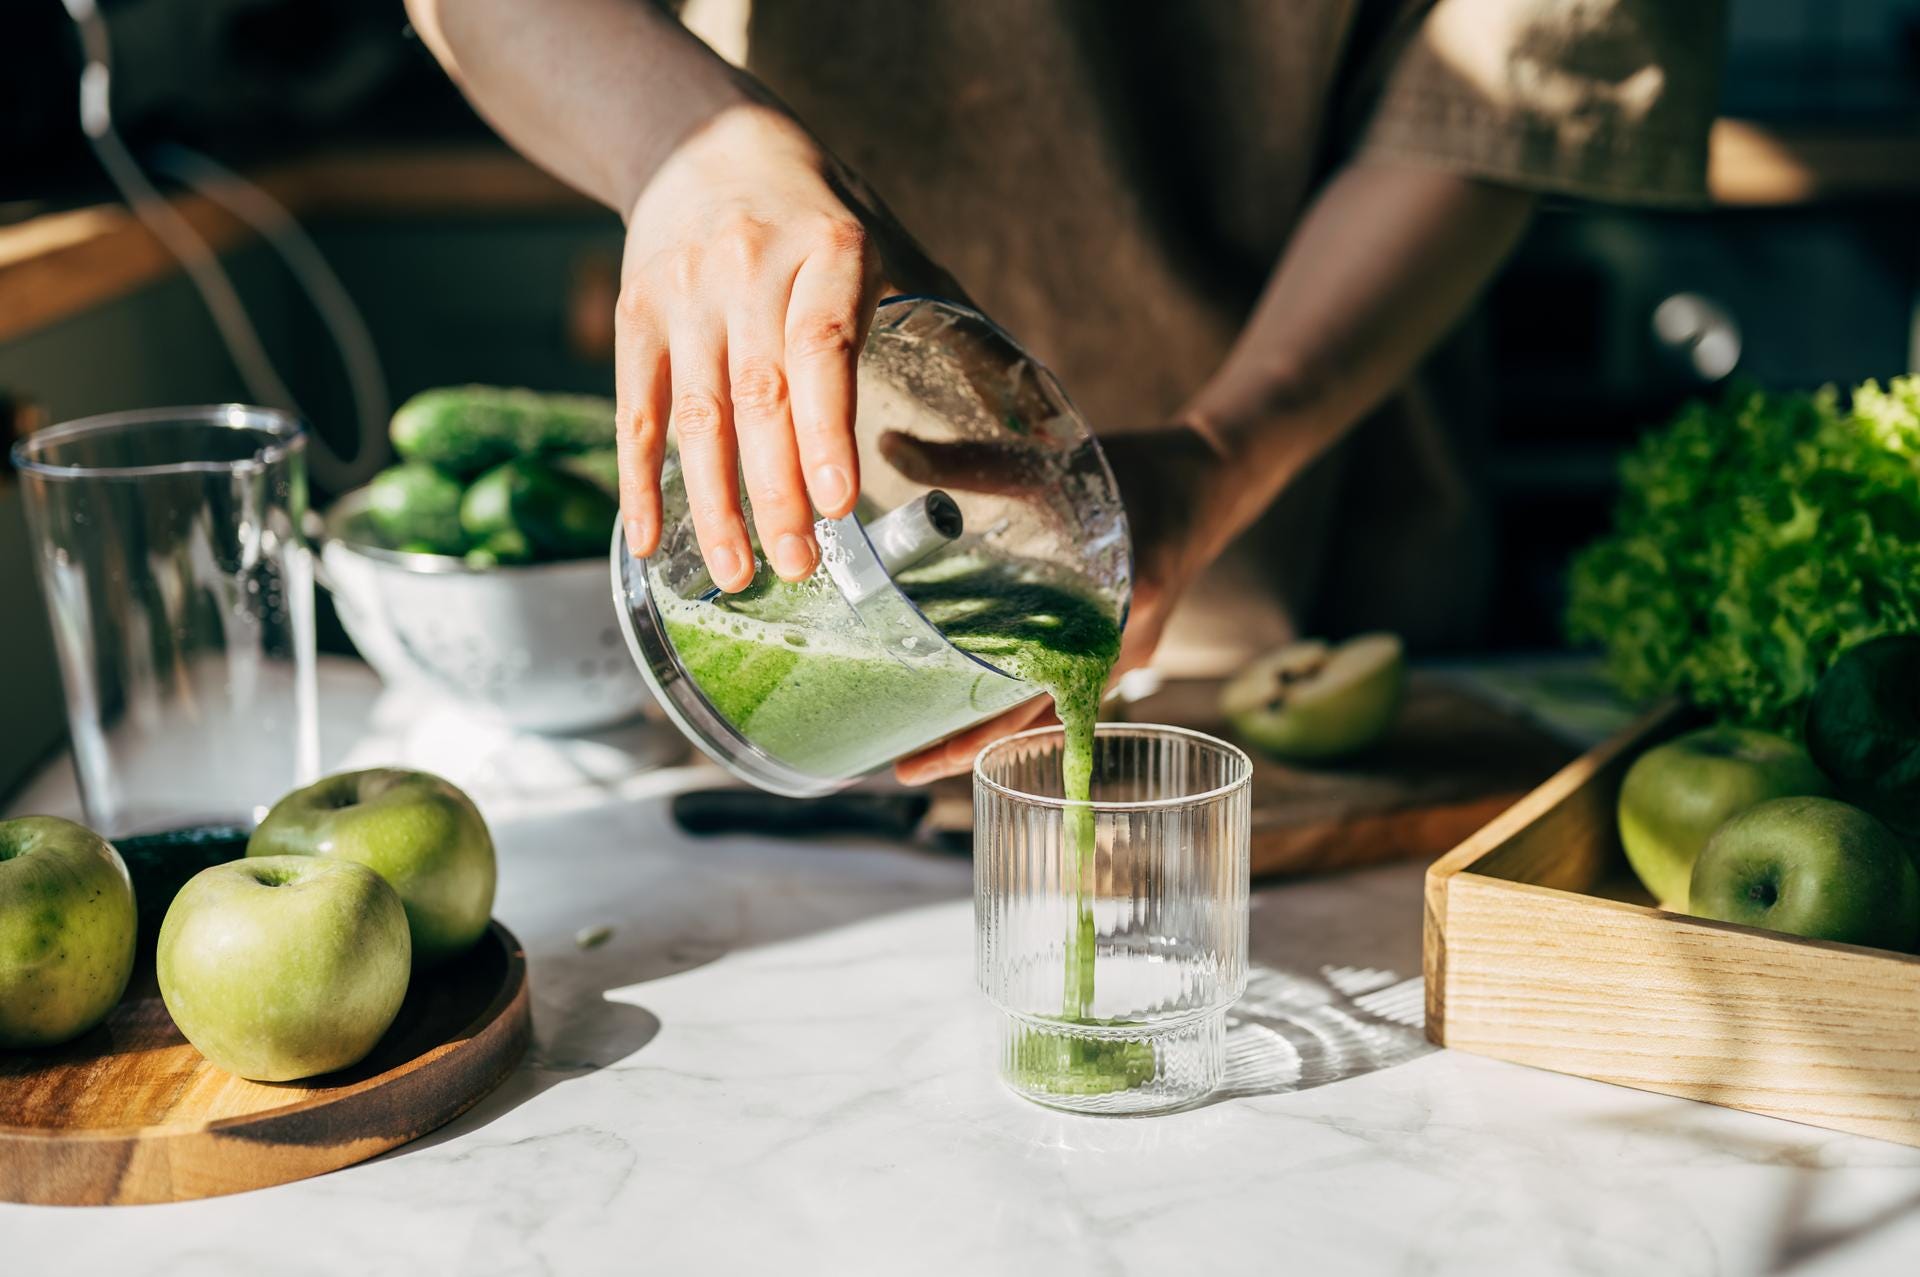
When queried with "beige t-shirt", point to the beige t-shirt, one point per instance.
{"points": [[1113, 180]]}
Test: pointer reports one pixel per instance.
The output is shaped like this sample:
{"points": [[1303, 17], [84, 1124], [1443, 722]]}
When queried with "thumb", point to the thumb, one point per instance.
{"points": [[969, 465]]}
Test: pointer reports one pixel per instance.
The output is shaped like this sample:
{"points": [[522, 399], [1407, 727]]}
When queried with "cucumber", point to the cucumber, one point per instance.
{"points": [[415, 507], [600, 466], [561, 515], [160, 864], [505, 547], [487, 507], [466, 429]]}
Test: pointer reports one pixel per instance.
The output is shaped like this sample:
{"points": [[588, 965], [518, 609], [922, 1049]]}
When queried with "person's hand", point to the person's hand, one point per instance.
{"points": [[749, 279], [1168, 480]]}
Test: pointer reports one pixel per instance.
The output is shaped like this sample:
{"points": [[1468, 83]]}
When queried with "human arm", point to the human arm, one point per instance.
{"points": [[1384, 263], [752, 259], [599, 92]]}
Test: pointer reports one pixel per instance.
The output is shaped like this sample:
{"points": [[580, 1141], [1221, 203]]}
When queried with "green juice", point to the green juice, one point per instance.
{"points": [[792, 670], [779, 663], [1066, 646]]}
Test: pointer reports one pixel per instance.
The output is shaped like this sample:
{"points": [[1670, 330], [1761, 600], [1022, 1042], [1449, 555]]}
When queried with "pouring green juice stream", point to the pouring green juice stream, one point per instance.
{"points": [[771, 662]]}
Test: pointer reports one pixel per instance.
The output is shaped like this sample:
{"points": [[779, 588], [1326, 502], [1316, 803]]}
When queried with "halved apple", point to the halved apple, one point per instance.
{"points": [[1314, 702]]}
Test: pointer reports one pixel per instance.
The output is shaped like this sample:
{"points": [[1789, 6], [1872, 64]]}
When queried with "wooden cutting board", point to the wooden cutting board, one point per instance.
{"points": [[1451, 763], [131, 1113]]}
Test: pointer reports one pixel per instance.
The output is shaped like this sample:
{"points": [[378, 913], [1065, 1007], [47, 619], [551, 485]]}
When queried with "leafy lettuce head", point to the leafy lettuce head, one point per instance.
{"points": [[1753, 541]]}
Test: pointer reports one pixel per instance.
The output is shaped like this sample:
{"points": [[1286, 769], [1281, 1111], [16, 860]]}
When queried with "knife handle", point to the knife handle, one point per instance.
{"points": [[709, 812]]}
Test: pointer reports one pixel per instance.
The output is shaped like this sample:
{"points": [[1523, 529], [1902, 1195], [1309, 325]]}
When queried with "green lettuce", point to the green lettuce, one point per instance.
{"points": [[1753, 541]]}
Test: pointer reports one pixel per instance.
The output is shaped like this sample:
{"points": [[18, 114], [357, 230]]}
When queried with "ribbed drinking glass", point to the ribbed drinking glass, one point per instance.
{"points": [[1112, 934]]}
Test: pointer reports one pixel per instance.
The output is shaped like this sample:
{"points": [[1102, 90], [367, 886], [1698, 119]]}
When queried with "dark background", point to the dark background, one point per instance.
{"points": [[1792, 296], [254, 79]]}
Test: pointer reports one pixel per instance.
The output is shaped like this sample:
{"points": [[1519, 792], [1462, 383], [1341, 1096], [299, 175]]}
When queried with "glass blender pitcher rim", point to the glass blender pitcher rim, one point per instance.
{"points": [[286, 436]]}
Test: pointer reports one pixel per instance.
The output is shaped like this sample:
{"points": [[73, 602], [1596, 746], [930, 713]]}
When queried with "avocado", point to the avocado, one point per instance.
{"points": [[160, 864], [1863, 728]]}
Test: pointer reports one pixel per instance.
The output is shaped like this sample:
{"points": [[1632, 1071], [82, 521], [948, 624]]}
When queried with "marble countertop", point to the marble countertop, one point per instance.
{"points": [[778, 1060]]}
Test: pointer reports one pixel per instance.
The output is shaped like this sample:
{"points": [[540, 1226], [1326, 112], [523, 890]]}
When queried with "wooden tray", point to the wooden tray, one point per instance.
{"points": [[132, 1113], [1543, 950]]}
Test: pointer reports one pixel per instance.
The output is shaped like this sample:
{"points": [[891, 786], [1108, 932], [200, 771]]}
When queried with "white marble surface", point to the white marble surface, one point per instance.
{"points": [[778, 1062]]}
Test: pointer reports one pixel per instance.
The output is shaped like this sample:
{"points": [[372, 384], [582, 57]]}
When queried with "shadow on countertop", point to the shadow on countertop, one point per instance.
{"points": [[1335, 989], [1800, 1234]]}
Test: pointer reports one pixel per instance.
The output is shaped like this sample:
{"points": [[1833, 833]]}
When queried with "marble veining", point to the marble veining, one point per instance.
{"points": [[777, 1061]]}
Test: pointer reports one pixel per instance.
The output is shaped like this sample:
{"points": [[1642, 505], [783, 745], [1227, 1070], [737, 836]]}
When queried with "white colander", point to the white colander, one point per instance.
{"points": [[536, 647]]}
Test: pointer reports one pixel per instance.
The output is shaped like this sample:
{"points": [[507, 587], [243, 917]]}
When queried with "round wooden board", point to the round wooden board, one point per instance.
{"points": [[131, 1113]]}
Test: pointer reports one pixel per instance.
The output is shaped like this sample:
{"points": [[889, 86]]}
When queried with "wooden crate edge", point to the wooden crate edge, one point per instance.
{"points": [[1502, 830]]}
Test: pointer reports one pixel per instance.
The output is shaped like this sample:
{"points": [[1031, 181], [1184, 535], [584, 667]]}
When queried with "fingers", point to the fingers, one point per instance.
{"points": [[641, 389], [954, 756], [832, 300], [746, 347], [763, 423], [709, 454]]}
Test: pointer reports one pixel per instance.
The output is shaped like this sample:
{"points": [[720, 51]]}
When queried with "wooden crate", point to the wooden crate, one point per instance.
{"points": [[1542, 949]]}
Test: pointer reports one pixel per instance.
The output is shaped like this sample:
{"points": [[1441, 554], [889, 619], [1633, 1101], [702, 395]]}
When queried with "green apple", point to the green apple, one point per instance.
{"points": [[1811, 867], [1675, 795], [1863, 727], [417, 831], [283, 967], [1311, 702], [67, 928]]}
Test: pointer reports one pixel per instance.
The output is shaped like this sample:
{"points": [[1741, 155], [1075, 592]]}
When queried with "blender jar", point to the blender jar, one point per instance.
{"points": [[969, 452]]}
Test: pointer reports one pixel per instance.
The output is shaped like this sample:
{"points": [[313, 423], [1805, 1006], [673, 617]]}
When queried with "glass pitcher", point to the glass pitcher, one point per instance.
{"points": [[179, 588], [970, 454]]}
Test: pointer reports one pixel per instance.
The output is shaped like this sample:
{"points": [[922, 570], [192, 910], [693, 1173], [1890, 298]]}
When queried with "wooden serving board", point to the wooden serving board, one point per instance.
{"points": [[131, 1113], [1451, 763], [1541, 949]]}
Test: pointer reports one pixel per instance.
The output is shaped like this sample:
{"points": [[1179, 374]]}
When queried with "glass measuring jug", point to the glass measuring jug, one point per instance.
{"points": [[179, 588]]}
